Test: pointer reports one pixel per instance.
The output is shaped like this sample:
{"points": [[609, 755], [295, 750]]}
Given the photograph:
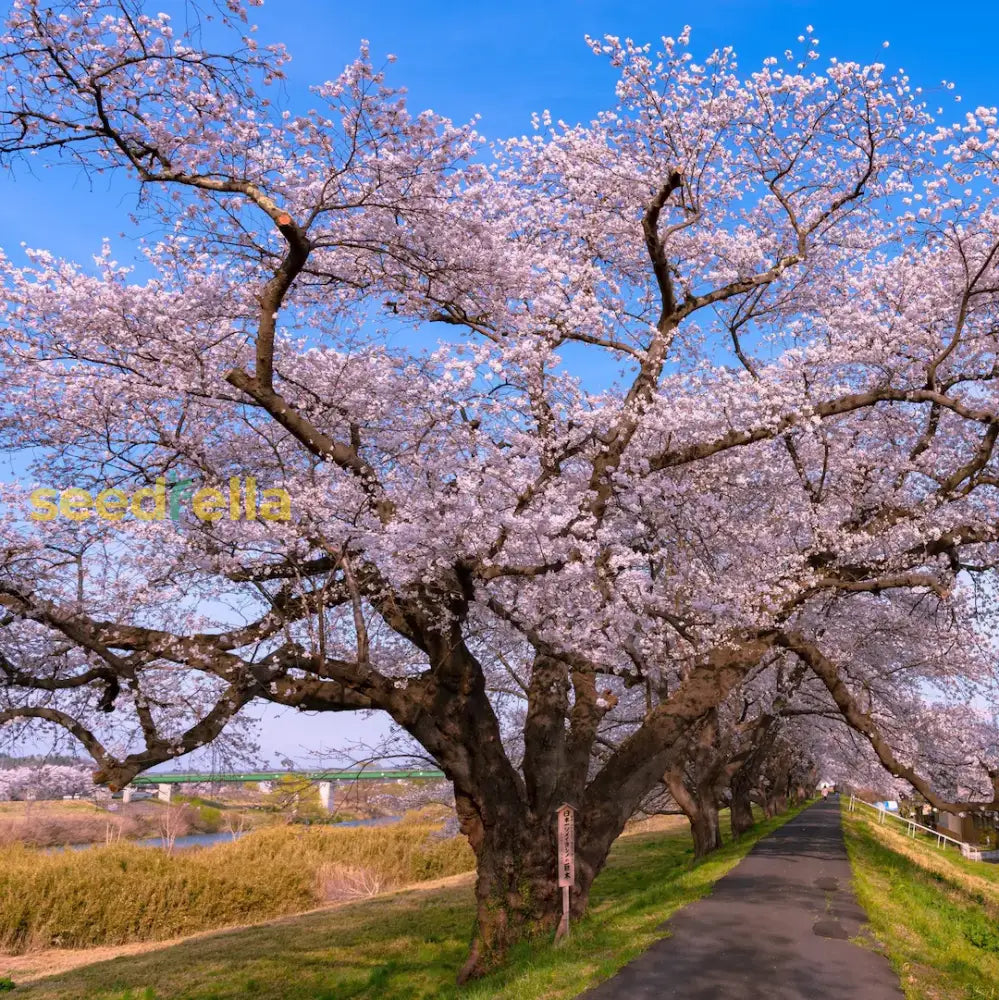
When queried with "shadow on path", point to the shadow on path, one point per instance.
{"points": [[777, 926]]}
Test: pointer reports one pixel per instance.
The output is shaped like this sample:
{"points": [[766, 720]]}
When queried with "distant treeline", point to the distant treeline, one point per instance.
{"points": [[39, 760]]}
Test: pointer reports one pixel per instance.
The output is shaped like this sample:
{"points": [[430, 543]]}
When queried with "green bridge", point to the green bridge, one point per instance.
{"points": [[192, 778], [326, 780]]}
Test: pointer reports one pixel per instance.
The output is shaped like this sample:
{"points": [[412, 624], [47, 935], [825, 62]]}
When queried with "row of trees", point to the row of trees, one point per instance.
{"points": [[45, 781], [700, 472]]}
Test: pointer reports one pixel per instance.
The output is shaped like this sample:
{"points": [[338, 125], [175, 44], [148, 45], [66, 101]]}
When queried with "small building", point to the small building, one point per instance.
{"points": [[980, 829]]}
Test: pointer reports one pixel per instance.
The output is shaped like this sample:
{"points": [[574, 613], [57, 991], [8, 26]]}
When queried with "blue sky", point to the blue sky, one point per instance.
{"points": [[506, 60]]}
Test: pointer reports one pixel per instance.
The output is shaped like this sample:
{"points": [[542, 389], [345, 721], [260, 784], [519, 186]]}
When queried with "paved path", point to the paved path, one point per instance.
{"points": [[775, 928]]}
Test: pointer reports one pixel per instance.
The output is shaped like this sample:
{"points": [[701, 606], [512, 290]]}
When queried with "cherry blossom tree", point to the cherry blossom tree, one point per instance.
{"points": [[756, 747], [44, 781], [792, 273], [744, 750]]}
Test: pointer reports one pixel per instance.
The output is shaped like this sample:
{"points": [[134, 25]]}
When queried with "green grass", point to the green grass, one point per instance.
{"points": [[936, 914], [409, 946]]}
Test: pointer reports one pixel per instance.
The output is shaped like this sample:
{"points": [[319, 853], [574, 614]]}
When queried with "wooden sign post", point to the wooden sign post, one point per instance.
{"points": [[566, 844]]}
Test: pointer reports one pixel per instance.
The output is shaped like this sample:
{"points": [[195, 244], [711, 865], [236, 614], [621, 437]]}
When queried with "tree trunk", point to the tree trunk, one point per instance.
{"points": [[508, 819], [742, 811], [700, 808], [516, 892], [705, 828], [515, 898]]}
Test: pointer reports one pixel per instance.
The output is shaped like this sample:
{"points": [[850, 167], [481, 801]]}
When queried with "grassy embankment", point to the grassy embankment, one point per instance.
{"points": [[936, 914], [408, 946]]}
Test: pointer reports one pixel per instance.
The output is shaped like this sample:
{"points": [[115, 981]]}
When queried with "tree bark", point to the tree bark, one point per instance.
{"points": [[741, 810], [706, 828], [509, 819], [700, 808], [516, 891], [744, 781]]}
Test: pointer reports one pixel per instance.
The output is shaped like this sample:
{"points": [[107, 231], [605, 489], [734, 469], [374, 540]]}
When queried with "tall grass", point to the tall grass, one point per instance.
{"points": [[121, 893]]}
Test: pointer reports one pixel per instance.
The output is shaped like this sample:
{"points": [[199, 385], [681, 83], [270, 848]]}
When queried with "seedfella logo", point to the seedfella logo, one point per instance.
{"points": [[164, 501]]}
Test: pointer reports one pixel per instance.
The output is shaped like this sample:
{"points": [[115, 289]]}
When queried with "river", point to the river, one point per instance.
{"points": [[207, 839]]}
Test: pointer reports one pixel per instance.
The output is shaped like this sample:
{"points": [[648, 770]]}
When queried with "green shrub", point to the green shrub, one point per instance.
{"points": [[979, 931], [344, 817], [206, 818], [209, 818]]}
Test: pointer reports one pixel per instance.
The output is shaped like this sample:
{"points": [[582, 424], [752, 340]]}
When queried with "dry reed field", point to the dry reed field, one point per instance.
{"points": [[121, 893]]}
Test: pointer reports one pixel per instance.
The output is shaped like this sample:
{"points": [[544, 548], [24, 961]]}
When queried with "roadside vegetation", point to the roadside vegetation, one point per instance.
{"points": [[122, 893], [406, 946], [935, 914]]}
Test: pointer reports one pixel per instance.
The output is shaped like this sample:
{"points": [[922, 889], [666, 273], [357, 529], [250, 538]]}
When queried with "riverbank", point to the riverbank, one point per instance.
{"points": [[45, 824], [125, 893], [188, 821], [408, 945]]}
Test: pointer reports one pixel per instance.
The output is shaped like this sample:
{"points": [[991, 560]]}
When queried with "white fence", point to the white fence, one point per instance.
{"points": [[912, 826]]}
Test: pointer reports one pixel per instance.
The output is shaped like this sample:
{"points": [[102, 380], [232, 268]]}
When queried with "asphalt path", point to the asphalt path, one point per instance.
{"points": [[777, 927]]}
